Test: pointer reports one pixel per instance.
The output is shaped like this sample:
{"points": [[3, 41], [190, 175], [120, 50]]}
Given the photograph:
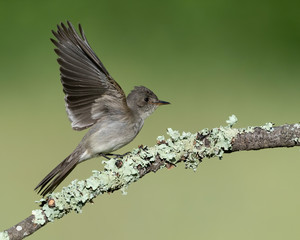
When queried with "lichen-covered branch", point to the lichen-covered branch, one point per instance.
{"points": [[118, 174]]}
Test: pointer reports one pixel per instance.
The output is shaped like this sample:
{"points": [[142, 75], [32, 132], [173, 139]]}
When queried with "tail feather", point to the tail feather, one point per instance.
{"points": [[57, 175]]}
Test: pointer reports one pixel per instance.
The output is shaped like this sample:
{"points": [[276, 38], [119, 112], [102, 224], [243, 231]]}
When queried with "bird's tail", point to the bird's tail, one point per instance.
{"points": [[58, 174]]}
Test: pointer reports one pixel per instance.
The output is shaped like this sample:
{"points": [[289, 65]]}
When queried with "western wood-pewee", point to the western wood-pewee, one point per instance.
{"points": [[94, 99]]}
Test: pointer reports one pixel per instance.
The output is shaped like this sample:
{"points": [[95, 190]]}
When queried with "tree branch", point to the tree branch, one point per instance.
{"points": [[118, 174]]}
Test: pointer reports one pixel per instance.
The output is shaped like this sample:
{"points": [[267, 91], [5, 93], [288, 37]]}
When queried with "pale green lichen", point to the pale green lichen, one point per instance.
{"points": [[297, 125], [268, 127], [160, 138], [120, 173], [176, 147], [204, 132], [78, 193], [186, 144], [248, 129], [232, 120], [175, 135], [38, 217], [4, 236], [220, 140]]}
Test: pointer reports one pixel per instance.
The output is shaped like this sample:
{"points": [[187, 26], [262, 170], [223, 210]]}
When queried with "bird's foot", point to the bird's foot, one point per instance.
{"points": [[105, 155]]}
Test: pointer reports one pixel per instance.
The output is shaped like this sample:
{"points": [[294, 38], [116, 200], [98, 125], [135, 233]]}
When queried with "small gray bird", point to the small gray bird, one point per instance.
{"points": [[94, 99]]}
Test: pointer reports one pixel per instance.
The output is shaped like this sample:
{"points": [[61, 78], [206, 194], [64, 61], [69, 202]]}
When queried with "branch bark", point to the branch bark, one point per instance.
{"points": [[120, 173]]}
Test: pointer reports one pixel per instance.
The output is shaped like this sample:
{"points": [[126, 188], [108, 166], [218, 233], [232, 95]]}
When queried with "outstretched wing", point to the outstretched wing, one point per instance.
{"points": [[87, 85]]}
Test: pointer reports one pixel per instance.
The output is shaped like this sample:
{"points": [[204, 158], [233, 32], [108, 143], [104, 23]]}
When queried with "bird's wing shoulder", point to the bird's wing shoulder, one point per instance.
{"points": [[90, 91]]}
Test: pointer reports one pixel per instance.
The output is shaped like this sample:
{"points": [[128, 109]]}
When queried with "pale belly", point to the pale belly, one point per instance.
{"points": [[109, 138]]}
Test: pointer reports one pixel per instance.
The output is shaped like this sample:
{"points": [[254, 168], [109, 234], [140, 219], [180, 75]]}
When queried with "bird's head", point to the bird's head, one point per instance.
{"points": [[142, 101]]}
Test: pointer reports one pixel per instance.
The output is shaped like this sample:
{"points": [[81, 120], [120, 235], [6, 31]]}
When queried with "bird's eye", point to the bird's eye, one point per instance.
{"points": [[146, 99]]}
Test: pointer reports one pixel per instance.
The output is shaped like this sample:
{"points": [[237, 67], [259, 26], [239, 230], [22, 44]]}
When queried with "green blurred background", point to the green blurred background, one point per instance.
{"points": [[210, 59]]}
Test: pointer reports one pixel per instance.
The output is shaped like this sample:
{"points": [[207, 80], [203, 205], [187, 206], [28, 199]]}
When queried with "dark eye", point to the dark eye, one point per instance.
{"points": [[146, 99]]}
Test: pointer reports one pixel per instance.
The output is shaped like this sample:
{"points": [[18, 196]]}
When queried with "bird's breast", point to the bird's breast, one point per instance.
{"points": [[110, 136]]}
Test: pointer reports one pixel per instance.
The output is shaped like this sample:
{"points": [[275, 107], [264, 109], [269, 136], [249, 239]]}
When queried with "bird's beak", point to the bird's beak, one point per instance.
{"points": [[161, 103]]}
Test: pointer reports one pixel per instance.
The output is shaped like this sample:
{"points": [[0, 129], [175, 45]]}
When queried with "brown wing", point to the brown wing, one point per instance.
{"points": [[86, 82]]}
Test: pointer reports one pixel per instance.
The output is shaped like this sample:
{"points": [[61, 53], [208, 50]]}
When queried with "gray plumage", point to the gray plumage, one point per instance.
{"points": [[94, 99]]}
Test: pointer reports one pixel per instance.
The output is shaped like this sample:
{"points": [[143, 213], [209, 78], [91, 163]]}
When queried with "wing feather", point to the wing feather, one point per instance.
{"points": [[86, 82]]}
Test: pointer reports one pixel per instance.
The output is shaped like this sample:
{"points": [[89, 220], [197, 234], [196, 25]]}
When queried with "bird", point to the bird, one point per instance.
{"points": [[94, 100]]}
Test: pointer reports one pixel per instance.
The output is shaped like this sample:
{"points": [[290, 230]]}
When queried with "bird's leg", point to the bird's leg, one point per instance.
{"points": [[104, 155], [114, 155]]}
